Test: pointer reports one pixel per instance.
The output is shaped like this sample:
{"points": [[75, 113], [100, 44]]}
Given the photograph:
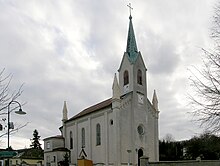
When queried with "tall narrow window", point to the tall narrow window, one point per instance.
{"points": [[48, 145], [83, 138], [71, 140], [126, 77], [98, 134], [48, 161], [139, 77]]}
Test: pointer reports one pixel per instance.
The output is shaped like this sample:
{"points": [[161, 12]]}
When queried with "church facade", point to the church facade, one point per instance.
{"points": [[116, 131]]}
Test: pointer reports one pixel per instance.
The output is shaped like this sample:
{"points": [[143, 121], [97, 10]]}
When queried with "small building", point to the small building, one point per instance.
{"points": [[29, 157], [6, 155], [54, 150]]}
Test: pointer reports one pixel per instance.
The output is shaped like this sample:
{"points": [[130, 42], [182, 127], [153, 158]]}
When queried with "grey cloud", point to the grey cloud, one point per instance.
{"points": [[70, 51]]}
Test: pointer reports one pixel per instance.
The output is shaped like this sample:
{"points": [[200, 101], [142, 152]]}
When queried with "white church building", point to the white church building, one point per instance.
{"points": [[118, 130]]}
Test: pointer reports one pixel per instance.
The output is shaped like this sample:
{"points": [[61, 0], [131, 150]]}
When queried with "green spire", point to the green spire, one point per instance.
{"points": [[131, 43]]}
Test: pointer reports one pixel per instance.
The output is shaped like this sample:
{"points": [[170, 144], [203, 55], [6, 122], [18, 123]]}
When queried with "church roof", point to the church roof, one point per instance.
{"points": [[93, 109], [131, 43]]}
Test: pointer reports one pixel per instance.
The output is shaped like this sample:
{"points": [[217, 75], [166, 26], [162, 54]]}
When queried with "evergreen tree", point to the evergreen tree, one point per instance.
{"points": [[66, 159], [35, 140], [206, 146], [170, 150]]}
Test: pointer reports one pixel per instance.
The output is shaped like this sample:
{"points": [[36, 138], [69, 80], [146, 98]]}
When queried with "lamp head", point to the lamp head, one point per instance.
{"points": [[20, 112]]}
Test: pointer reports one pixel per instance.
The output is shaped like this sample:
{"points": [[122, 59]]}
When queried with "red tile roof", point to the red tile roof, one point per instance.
{"points": [[92, 109]]}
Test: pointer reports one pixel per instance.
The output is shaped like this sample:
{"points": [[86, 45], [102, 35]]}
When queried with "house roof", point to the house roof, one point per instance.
{"points": [[62, 149], [30, 153], [92, 109], [54, 137]]}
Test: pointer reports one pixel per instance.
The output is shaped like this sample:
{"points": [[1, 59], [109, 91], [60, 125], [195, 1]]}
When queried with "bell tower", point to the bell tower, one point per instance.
{"points": [[132, 71], [138, 120]]}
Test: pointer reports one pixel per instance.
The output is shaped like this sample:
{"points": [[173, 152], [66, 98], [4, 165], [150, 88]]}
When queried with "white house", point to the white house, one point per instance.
{"points": [[118, 130]]}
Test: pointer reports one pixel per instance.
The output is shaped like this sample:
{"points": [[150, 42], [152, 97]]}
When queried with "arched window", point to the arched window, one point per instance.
{"points": [[111, 122], [98, 134], [71, 140], [139, 77], [83, 137], [126, 77]]}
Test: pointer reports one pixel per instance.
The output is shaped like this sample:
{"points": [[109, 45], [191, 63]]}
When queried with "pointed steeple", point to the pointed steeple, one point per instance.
{"points": [[115, 89], [131, 43], [155, 101], [65, 118]]}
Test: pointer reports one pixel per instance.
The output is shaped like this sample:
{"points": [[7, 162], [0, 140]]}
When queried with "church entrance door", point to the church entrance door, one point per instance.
{"points": [[140, 154]]}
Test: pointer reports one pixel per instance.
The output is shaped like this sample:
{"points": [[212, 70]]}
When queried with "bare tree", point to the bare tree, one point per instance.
{"points": [[206, 83], [7, 96], [169, 138], [206, 98]]}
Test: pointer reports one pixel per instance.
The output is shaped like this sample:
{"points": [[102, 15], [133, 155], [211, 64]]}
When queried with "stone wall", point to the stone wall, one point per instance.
{"points": [[145, 162], [186, 163]]}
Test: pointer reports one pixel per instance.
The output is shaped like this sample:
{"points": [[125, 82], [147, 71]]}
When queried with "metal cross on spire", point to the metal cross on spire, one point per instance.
{"points": [[130, 8]]}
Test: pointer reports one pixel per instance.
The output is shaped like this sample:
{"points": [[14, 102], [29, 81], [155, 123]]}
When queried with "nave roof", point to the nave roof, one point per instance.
{"points": [[92, 109]]}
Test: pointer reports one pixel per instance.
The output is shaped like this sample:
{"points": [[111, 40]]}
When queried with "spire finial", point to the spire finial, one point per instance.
{"points": [[130, 8], [65, 117], [155, 101], [115, 89]]}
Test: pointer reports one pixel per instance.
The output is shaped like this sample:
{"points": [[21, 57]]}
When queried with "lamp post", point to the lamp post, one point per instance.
{"points": [[129, 151], [20, 112]]}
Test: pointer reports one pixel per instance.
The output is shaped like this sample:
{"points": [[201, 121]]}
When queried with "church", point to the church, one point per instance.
{"points": [[116, 131]]}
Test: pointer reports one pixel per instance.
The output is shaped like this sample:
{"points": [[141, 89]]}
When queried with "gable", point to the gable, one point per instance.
{"points": [[152, 110], [125, 56], [140, 60]]}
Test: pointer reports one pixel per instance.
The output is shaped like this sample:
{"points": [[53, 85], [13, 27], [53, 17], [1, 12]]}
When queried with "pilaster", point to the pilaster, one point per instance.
{"points": [[106, 138]]}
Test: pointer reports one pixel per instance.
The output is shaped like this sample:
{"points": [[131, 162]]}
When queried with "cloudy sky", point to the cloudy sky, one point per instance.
{"points": [[69, 51]]}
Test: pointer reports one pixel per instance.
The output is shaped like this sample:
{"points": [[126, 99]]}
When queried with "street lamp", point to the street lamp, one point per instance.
{"points": [[20, 112], [129, 151]]}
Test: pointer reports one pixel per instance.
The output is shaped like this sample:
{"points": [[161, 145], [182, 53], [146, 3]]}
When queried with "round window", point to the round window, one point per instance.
{"points": [[140, 129]]}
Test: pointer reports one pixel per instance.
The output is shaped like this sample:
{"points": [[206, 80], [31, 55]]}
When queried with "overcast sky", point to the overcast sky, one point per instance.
{"points": [[69, 51]]}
